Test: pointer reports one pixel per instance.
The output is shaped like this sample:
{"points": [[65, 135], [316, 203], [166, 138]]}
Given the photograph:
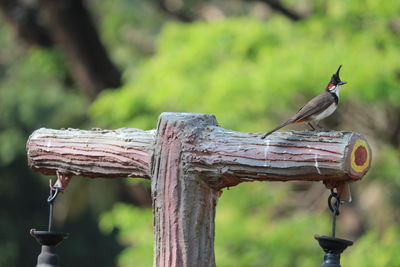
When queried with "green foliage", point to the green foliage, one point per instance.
{"points": [[387, 165], [246, 233], [376, 250], [128, 26], [241, 69], [134, 230], [31, 96]]}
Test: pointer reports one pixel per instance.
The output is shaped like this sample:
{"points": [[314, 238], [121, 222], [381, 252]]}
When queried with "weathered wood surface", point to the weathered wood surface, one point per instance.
{"points": [[222, 157], [229, 157], [183, 204], [189, 159], [96, 153]]}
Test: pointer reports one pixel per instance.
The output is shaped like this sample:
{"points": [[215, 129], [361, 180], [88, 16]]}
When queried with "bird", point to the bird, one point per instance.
{"points": [[318, 108]]}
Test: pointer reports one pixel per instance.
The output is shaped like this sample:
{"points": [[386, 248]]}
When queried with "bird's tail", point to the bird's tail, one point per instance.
{"points": [[276, 129]]}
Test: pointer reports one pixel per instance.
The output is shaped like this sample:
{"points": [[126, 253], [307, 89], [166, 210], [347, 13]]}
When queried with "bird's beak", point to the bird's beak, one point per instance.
{"points": [[342, 82]]}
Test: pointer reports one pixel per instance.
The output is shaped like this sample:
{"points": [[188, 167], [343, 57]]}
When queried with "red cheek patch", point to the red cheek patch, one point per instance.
{"points": [[331, 85]]}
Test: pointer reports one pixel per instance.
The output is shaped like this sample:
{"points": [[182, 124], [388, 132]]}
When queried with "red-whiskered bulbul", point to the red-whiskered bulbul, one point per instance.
{"points": [[319, 107]]}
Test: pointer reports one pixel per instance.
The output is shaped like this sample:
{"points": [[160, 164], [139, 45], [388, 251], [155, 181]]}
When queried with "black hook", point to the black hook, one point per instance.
{"points": [[334, 207], [50, 200]]}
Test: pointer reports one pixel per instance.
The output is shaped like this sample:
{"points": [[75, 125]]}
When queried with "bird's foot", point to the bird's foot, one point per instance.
{"points": [[264, 135], [312, 127]]}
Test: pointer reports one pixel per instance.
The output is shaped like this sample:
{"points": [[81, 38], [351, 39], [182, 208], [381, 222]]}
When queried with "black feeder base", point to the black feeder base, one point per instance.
{"points": [[49, 241], [333, 247]]}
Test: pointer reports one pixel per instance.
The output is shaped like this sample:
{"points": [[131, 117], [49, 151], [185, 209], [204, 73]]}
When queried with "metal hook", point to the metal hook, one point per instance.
{"points": [[52, 197], [335, 206], [56, 190], [50, 200]]}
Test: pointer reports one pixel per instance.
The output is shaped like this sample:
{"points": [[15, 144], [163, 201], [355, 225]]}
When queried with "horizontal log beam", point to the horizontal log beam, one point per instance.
{"points": [[224, 157], [96, 153], [230, 157]]}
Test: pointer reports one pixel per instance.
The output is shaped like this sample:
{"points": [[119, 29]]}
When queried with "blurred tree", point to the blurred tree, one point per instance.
{"points": [[78, 39], [89, 63], [278, 6], [24, 20]]}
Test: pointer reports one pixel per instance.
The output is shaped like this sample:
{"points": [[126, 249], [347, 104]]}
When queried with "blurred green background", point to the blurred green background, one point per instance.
{"points": [[252, 64]]}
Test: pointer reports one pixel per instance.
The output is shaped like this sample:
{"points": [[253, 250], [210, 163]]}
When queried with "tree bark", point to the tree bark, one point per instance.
{"points": [[183, 204], [221, 157], [24, 21], [96, 153], [72, 28], [189, 160]]}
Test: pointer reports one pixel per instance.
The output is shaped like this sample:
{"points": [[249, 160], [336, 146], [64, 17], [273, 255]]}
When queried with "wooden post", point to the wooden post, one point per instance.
{"points": [[189, 160], [183, 203]]}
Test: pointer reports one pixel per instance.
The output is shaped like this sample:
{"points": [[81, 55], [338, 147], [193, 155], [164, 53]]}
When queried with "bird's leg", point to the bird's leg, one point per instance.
{"points": [[312, 127]]}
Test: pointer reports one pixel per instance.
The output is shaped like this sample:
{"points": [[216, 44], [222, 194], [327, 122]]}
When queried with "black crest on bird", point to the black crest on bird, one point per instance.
{"points": [[335, 77]]}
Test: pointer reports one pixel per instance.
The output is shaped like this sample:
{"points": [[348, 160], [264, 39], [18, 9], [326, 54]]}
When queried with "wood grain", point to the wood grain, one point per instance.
{"points": [[189, 159], [184, 205], [222, 157], [96, 153]]}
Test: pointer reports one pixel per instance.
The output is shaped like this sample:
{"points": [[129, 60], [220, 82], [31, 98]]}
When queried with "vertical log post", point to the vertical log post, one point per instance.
{"points": [[183, 204]]}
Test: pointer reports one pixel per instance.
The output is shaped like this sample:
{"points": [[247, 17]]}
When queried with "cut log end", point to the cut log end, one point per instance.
{"points": [[358, 158]]}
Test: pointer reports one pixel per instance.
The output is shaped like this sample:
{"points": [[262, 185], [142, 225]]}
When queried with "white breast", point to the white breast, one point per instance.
{"points": [[325, 113]]}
